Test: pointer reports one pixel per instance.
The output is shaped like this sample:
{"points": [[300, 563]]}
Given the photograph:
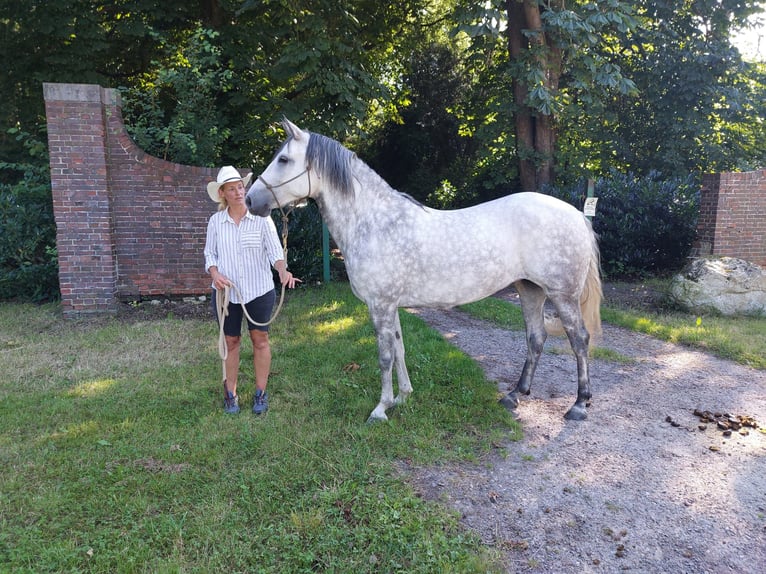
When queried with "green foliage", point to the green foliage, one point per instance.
{"points": [[28, 262], [304, 245], [423, 147], [173, 111], [699, 102], [639, 86], [645, 224]]}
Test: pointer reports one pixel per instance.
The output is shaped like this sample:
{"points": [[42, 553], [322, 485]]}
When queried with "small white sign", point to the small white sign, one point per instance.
{"points": [[589, 209]]}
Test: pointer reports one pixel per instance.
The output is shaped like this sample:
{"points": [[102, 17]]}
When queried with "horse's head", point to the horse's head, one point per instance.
{"points": [[287, 179]]}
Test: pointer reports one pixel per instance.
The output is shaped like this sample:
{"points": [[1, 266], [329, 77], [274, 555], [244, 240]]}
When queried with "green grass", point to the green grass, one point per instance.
{"points": [[740, 339], [501, 313], [115, 455]]}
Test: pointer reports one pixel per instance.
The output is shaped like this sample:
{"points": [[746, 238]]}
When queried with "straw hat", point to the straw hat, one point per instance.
{"points": [[227, 174]]}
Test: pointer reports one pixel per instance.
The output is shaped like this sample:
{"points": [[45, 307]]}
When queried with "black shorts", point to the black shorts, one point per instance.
{"points": [[259, 309]]}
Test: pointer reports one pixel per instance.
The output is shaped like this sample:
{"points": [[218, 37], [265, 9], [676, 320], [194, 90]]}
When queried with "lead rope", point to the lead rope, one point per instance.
{"points": [[222, 297]]}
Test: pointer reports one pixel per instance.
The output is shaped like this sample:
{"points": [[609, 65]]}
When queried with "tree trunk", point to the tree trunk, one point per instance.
{"points": [[535, 132]]}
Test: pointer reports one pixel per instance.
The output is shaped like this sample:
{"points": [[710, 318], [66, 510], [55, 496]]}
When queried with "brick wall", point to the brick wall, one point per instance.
{"points": [[732, 218], [129, 225]]}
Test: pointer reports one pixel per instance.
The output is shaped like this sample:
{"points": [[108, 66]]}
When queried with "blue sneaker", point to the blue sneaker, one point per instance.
{"points": [[261, 402], [230, 403]]}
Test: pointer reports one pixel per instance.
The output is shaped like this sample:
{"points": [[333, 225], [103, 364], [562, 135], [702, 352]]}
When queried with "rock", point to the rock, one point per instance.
{"points": [[727, 285]]}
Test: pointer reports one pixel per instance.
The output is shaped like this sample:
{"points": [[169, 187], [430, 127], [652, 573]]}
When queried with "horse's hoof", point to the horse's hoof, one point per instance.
{"points": [[377, 416], [375, 420], [576, 413], [400, 399], [510, 401]]}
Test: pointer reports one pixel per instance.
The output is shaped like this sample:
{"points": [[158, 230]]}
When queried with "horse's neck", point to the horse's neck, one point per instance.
{"points": [[346, 216]]}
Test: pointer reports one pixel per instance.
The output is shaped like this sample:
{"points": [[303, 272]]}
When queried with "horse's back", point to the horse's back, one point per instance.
{"points": [[457, 256]]}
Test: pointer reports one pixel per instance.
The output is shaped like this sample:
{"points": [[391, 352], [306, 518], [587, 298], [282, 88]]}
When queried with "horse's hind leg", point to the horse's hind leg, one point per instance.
{"points": [[532, 299], [402, 376], [571, 319]]}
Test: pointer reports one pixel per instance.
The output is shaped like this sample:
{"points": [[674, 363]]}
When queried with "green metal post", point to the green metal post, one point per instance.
{"points": [[325, 253]]}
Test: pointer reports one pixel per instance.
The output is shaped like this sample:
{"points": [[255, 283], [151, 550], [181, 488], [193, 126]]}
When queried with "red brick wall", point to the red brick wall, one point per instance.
{"points": [[129, 225], [733, 216]]}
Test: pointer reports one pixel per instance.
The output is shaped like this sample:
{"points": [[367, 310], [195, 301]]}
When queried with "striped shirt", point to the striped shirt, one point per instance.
{"points": [[244, 253]]}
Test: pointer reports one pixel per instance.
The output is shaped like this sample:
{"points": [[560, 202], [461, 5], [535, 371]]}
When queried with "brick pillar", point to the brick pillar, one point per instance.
{"points": [[82, 205], [708, 217]]}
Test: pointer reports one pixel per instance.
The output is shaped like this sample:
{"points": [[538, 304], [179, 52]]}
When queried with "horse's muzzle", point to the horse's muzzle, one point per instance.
{"points": [[255, 205]]}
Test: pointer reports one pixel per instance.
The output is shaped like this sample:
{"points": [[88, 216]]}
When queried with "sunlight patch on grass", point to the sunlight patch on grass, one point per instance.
{"points": [[78, 430], [91, 388], [334, 327]]}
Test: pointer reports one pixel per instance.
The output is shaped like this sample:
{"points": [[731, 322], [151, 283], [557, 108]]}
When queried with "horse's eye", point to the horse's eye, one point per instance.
{"points": [[282, 159]]}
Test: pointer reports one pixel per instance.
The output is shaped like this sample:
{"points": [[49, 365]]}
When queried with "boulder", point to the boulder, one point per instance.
{"points": [[727, 285]]}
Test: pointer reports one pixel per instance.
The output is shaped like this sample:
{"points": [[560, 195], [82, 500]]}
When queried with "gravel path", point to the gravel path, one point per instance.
{"points": [[625, 489]]}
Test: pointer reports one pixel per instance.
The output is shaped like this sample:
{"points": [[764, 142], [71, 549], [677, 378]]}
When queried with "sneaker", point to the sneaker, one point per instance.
{"points": [[261, 402], [230, 403]]}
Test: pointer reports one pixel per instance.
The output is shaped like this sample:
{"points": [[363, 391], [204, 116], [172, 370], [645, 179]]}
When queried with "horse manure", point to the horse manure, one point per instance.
{"points": [[669, 419], [725, 422]]}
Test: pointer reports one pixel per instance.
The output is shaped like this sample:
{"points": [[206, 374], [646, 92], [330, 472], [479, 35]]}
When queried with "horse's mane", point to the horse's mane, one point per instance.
{"points": [[330, 158]]}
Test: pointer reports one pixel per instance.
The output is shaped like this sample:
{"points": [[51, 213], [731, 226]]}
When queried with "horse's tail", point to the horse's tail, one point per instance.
{"points": [[590, 300]]}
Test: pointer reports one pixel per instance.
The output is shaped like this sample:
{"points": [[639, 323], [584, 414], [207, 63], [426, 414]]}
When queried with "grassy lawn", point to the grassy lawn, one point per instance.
{"points": [[740, 339], [115, 455]]}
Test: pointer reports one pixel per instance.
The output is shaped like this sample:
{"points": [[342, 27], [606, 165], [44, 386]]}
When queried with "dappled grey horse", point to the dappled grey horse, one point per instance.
{"points": [[399, 253]]}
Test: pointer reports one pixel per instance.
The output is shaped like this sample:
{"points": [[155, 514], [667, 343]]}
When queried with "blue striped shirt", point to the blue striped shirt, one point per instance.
{"points": [[244, 253]]}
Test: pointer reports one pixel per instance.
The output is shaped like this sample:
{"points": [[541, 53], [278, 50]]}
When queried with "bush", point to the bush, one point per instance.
{"points": [[304, 245], [646, 225], [28, 259]]}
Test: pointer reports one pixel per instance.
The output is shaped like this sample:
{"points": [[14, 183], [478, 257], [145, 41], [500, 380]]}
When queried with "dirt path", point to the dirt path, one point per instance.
{"points": [[625, 489]]}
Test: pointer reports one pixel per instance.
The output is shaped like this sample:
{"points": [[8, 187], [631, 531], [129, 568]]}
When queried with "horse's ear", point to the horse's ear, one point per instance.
{"points": [[292, 130]]}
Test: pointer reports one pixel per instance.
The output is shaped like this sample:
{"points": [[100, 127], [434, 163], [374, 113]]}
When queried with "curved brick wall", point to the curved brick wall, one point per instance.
{"points": [[129, 225]]}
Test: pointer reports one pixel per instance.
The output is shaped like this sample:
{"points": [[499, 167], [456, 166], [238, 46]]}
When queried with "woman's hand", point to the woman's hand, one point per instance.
{"points": [[287, 279], [220, 281]]}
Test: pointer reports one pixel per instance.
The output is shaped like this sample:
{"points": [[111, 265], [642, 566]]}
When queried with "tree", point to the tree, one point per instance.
{"points": [[699, 104], [555, 65]]}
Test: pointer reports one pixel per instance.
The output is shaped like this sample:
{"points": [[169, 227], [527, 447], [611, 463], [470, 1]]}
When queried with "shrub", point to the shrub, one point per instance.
{"points": [[28, 259], [304, 245], [646, 224]]}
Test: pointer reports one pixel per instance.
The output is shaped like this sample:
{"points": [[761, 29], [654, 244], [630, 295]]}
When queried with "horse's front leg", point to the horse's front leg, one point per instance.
{"points": [[532, 300], [384, 319]]}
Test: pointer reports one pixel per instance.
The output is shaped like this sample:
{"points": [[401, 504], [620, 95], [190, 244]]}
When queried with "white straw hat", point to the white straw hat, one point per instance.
{"points": [[227, 174]]}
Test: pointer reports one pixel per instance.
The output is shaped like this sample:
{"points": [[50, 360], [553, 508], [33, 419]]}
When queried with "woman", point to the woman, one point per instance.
{"points": [[240, 250]]}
